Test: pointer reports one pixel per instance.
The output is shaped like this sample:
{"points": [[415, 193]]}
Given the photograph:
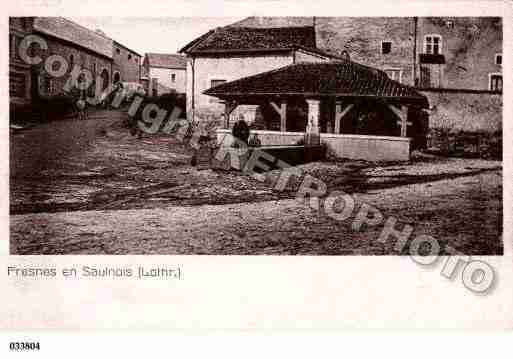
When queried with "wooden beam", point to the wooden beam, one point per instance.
{"points": [[228, 109], [282, 111], [339, 114], [312, 135], [402, 113]]}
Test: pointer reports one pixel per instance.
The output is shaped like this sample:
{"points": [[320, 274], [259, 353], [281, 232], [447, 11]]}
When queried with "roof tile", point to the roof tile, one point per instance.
{"points": [[170, 61], [334, 78], [227, 39]]}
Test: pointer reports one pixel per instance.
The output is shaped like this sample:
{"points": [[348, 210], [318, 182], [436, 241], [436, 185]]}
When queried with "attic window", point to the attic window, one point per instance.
{"points": [[386, 47], [498, 59]]}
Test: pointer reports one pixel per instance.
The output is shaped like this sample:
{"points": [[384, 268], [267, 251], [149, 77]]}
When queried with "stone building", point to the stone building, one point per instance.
{"points": [[20, 84], [427, 52], [126, 64], [77, 45], [455, 61], [460, 53], [232, 52], [165, 73]]}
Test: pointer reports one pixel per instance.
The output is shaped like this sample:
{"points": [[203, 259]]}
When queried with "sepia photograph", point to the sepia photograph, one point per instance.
{"points": [[258, 135]]}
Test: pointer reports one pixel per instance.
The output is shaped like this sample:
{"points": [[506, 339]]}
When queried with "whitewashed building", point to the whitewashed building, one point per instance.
{"points": [[165, 72]]}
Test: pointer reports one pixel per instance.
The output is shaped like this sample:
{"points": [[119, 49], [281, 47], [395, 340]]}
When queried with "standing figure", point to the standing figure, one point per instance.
{"points": [[81, 106]]}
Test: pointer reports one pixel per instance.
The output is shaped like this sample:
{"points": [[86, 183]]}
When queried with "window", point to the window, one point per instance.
{"points": [[94, 68], [386, 47], [12, 46], [130, 56], [17, 84], [498, 59], [173, 77], [449, 24], [433, 44], [394, 74], [496, 82], [71, 61], [46, 85], [213, 83], [118, 51]]}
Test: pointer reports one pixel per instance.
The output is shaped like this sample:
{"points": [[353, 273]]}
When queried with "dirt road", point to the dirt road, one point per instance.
{"points": [[450, 210], [91, 188]]}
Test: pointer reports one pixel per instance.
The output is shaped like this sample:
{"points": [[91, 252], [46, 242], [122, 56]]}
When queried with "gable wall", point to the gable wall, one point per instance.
{"points": [[227, 68]]}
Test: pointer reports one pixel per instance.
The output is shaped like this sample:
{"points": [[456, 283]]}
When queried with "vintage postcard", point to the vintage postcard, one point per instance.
{"points": [[214, 151]]}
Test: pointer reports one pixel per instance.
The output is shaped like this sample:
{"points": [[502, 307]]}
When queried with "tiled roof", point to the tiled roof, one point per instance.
{"points": [[240, 39], [169, 61], [69, 31], [335, 78], [126, 48]]}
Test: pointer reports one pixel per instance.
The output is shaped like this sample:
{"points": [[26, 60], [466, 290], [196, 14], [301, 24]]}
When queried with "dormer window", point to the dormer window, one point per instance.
{"points": [[433, 44]]}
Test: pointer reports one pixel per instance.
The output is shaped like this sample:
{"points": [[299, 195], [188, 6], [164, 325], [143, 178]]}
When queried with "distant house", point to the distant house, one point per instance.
{"points": [[229, 53], [105, 59], [126, 64], [78, 45], [165, 73]]}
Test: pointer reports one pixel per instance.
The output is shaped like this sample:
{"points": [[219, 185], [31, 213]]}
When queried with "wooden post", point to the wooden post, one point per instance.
{"points": [[402, 113], [228, 109], [312, 137], [340, 112], [282, 111]]}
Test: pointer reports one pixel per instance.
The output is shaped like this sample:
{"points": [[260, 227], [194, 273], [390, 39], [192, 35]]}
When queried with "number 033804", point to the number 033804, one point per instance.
{"points": [[24, 346]]}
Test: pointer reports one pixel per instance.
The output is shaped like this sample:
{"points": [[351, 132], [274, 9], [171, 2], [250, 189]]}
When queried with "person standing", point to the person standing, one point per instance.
{"points": [[81, 106]]}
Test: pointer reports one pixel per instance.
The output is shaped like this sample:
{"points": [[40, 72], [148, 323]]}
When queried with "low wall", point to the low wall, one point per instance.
{"points": [[464, 111], [269, 138], [369, 148]]}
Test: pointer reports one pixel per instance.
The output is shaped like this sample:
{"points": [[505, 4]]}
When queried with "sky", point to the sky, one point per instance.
{"points": [[154, 34]]}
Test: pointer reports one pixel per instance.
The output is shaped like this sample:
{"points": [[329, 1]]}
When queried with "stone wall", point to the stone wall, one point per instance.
{"points": [[74, 55], [469, 45], [369, 148], [227, 68], [164, 77], [362, 37], [465, 111], [465, 124], [19, 71], [128, 68]]}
